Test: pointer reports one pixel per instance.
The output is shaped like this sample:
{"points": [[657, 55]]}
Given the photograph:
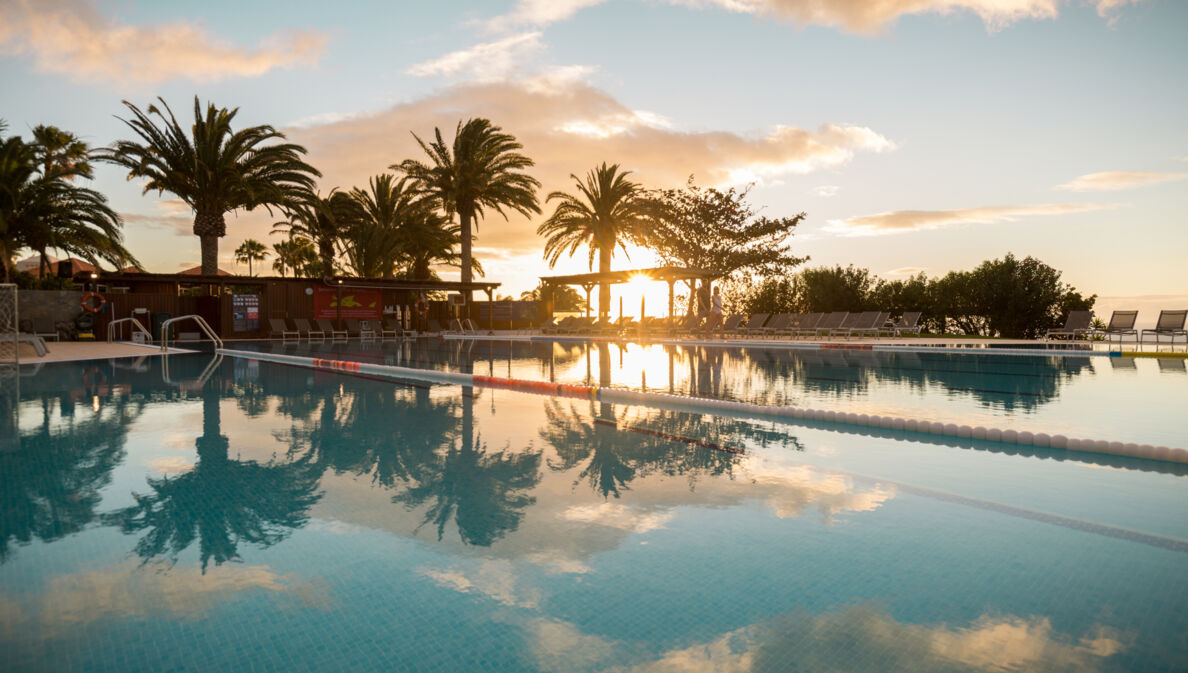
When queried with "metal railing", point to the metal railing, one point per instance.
{"points": [[136, 325], [202, 324]]}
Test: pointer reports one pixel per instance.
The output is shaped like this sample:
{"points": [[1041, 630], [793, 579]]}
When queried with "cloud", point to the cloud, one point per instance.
{"points": [[899, 221], [181, 225], [1116, 180], [618, 516], [71, 37], [873, 16], [484, 62], [906, 271], [826, 191], [539, 13], [567, 126]]}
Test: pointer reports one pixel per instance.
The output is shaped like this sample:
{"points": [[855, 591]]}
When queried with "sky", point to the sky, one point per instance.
{"points": [[917, 135]]}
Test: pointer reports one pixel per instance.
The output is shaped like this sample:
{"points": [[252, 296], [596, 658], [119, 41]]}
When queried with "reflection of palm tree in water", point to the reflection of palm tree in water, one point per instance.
{"points": [[484, 493], [614, 453], [50, 488], [220, 502]]}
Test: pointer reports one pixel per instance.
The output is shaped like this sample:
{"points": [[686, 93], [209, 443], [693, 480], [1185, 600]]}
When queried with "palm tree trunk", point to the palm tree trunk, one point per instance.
{"points": [[604, 266], [465, 217], [209, 226], [421, 269], [326, 252]]}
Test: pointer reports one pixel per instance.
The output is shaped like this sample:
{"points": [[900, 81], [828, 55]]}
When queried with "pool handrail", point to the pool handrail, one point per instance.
{"points": [[201, 322], [136, 324]]}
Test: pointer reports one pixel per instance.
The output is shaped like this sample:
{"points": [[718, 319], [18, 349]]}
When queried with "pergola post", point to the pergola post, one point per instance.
{"points": [[587, 287], [671, 298]]}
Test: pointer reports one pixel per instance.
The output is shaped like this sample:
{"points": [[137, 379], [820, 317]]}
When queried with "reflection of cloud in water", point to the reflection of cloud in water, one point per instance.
{"points": [[856, 639], [171, 465], [792, 489], [132, 590], [497, 580], [616, 515]]}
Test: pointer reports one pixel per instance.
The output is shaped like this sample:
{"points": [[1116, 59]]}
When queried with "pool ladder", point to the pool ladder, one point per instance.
{"points": [[136, 325], [202, 324]]}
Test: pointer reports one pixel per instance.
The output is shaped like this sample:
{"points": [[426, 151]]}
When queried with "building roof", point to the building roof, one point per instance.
{"points": [[196, 271], [191, 277], [660, 273]]}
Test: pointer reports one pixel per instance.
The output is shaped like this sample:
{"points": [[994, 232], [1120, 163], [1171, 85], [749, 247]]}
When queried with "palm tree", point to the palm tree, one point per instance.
{"points": [[41, 208], [373, 243], [63, 150], [250, 251], [294, 253], [608, 211], [482, 169], [214, 168], [322, 221], [430, 238]]}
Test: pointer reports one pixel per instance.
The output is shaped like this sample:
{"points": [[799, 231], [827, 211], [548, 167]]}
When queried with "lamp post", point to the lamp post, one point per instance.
{"points": [[338, 304]]}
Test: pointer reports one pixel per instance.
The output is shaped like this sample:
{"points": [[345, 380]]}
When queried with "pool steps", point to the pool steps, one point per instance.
{"points": [[734, 408]]}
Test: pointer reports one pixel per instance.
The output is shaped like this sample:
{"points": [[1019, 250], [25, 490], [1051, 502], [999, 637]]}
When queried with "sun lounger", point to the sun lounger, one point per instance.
{"points": [[357, 329], [849, 322], [872, 322], [433, 325], [1077, 324], [776, 324], [278, 326], [1121, 324], [304, 326], [907, 324], [731, 324], [807, 324], [830, 322], [327, 327], [38, 343], [578, 326], [754, 324], [394, 328], [468, 326], [1170, 324]]}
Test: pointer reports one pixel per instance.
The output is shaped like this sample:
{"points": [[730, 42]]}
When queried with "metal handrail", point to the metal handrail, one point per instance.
{"points": [[202, 324], [135, 323]]}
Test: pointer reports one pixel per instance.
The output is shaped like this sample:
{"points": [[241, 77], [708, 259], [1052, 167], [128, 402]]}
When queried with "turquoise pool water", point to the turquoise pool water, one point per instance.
{"points": [[1116, 399], [237, 515]]}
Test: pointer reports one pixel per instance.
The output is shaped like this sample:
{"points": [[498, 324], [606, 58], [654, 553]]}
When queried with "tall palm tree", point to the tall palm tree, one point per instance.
{"points": [[374, 242], [250, 251], [213, 168], [62, 150], [42, 209], [482, 169], [429, 239], [294, 253], [322, 221], [608, 211]]}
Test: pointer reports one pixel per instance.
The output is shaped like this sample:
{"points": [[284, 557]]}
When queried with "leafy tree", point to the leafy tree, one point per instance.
{"points": [[322, 221], [482, 169], [296, 254], [213, 168], [250, 251], [1021, 299], [59, 150], [719, 230], [565, 298], [609, 211], [371, 241], [43, 209], [824, 289]]}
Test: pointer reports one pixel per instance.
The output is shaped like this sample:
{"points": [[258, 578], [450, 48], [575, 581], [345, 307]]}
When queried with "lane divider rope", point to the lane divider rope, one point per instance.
{"points": [[876, 422]]}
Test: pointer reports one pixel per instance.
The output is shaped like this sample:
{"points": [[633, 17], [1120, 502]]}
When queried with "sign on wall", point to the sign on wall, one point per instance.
{"points": [[356, 304], [245, 312]]}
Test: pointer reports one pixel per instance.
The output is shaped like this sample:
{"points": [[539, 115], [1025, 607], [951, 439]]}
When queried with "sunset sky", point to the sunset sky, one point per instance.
{"points": [[916, 134]]}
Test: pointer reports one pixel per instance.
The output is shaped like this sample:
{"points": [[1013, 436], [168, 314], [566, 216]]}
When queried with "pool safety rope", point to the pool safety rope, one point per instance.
{"points": [[686, 403]]}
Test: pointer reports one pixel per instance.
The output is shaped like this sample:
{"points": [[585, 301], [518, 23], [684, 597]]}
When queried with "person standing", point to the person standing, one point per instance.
{"points": [[715, 320]]}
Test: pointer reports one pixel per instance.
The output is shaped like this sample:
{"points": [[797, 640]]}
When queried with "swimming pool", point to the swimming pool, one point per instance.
{"points": [[243, 515], [1069, 395]]}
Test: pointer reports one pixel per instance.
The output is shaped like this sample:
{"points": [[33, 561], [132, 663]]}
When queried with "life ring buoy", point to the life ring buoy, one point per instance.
{"points": [[421, 307], [96, 306]]}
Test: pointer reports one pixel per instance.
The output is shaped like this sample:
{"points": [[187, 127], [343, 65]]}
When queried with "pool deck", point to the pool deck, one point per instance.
{"points": [[73, 351]]}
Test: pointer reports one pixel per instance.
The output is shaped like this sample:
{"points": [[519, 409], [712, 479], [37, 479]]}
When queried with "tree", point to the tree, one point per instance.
{"points": [[322, 221], [294, 253], [373, 241], [214, 169], [720, 231], [250, 251], [608, 212], [430, 238], [825, 289], [43, 209], [1021, 299], [565, 298], [61, 150], [482, 169]]}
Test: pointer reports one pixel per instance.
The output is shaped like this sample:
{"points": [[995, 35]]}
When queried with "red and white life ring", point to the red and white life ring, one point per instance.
{"points": [[421, 307], [93, 302]]}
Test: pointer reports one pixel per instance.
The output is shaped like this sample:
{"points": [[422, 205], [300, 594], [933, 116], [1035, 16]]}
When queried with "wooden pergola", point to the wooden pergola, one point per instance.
{"points": [[668, 274]]}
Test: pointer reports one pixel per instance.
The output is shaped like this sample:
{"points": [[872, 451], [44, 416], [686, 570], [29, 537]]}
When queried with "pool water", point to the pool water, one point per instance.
{"points": [[1117, 399], [229, 515]]}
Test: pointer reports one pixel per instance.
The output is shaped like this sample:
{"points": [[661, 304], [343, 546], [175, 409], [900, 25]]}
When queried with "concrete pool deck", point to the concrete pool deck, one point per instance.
{"points": [[74, 351]]}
